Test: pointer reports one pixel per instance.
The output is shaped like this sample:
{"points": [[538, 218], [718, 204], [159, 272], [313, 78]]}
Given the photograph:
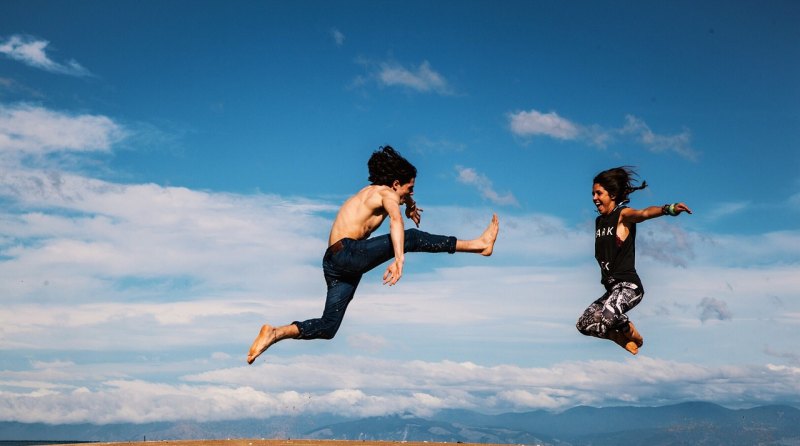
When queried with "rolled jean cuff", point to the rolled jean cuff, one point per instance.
{"points": [[451, 249], [299, 328]]}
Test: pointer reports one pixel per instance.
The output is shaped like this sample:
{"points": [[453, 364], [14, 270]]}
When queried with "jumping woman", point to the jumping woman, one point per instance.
{"points": [[615, 251]]}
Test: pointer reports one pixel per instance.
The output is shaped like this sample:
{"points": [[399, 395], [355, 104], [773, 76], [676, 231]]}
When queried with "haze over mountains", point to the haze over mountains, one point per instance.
{"points": [[688, 423]]}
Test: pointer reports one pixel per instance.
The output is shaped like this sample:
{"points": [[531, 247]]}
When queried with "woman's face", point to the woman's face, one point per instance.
{"points": [[605, 203]]}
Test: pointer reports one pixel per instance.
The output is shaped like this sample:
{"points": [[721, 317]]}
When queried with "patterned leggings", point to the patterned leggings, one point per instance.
{"points": [[608, 312]]}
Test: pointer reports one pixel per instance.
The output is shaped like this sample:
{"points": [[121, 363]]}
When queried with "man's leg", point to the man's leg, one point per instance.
{"points": [[377, 250], [343, 271], [340, 293]]}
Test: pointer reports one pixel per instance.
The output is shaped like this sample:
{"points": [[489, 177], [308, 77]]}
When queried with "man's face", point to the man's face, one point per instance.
{"points": [[604, 202], [404, 190]]}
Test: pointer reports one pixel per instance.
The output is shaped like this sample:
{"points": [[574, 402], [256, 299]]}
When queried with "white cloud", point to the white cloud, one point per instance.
{"points": [[88, 237], [367, 342], [29, 129], [468, 175], [12, 85], [423, 78], [423, 144], [667, 242], [712, 308], [31, 51], [338, 37], [680, 143], [794, 200], [534, 123], [743, 250], [723, 210]]}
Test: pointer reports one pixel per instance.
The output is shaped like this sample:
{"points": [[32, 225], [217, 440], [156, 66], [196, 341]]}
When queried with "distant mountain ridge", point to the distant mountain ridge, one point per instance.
{"points": [[695, 423]]}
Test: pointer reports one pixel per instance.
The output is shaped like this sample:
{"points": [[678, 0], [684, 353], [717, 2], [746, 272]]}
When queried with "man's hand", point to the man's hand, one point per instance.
{"points": [[393, 272], [414, 213]]}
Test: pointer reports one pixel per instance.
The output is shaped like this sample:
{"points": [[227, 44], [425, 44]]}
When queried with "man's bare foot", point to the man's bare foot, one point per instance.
{"points": [[484, 244], [489, 236], [266, 337]]}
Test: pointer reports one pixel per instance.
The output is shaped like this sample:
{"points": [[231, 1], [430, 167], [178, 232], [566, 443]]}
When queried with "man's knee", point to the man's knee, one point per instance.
{"points": [[411, 239], [327, 335], [329, 329]]}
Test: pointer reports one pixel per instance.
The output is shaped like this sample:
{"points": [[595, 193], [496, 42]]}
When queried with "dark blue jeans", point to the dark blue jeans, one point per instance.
{"points": [[345, 263]]}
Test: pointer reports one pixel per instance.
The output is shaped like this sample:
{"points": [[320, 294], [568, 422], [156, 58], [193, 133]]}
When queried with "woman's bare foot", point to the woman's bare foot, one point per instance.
{"points": [[621, 339], [489, 236], [631, 347], [633, 335]]}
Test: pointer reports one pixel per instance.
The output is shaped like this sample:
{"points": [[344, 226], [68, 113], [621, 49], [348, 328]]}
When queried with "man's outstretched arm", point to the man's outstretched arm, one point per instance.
{"points": [[391, 203]]}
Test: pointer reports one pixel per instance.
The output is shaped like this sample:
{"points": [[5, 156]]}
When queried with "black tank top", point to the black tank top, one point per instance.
{"points": [[617, 261]]}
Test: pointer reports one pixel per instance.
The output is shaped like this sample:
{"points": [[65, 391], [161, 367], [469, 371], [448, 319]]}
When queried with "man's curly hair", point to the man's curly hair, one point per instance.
{"points": [[386, 165]]}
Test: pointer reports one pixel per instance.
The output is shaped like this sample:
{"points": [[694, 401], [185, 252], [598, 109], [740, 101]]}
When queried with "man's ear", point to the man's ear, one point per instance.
{"points": [[396, 183]]}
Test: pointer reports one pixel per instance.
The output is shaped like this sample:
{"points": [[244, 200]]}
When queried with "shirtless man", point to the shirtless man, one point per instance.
{"points": [[351, 253]]}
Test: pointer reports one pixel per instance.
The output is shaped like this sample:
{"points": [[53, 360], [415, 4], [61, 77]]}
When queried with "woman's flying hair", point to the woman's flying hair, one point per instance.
{"points": [[618, 182], [386, 165]]}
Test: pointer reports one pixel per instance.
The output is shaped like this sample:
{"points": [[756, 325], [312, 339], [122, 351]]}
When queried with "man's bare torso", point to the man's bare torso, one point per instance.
{"points": [[360, 215]]}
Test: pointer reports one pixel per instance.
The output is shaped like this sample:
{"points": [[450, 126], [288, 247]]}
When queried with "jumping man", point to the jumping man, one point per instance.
{"points": [[614, 249], [351, 253]]}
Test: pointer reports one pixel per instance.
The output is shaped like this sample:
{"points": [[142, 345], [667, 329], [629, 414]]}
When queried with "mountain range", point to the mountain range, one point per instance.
{"points": [[694, 423]]}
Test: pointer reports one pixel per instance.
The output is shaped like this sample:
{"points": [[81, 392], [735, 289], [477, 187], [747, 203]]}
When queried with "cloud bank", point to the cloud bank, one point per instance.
{"points": [[347, 386], [166, 286]]}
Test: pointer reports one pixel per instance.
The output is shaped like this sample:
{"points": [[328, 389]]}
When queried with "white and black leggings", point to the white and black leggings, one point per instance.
{"points": [[608, 312]]}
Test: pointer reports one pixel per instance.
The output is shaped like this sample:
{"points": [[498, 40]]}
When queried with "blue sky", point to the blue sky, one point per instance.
{"points": [[170, 171]]}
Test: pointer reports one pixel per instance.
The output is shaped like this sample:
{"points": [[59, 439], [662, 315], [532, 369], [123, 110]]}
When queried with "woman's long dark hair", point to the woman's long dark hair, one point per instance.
{"points": [[618, 182], [386, 165]]}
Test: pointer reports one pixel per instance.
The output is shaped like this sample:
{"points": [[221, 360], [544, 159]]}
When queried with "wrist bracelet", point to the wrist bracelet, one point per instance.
{"points": [[669, 209]]}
